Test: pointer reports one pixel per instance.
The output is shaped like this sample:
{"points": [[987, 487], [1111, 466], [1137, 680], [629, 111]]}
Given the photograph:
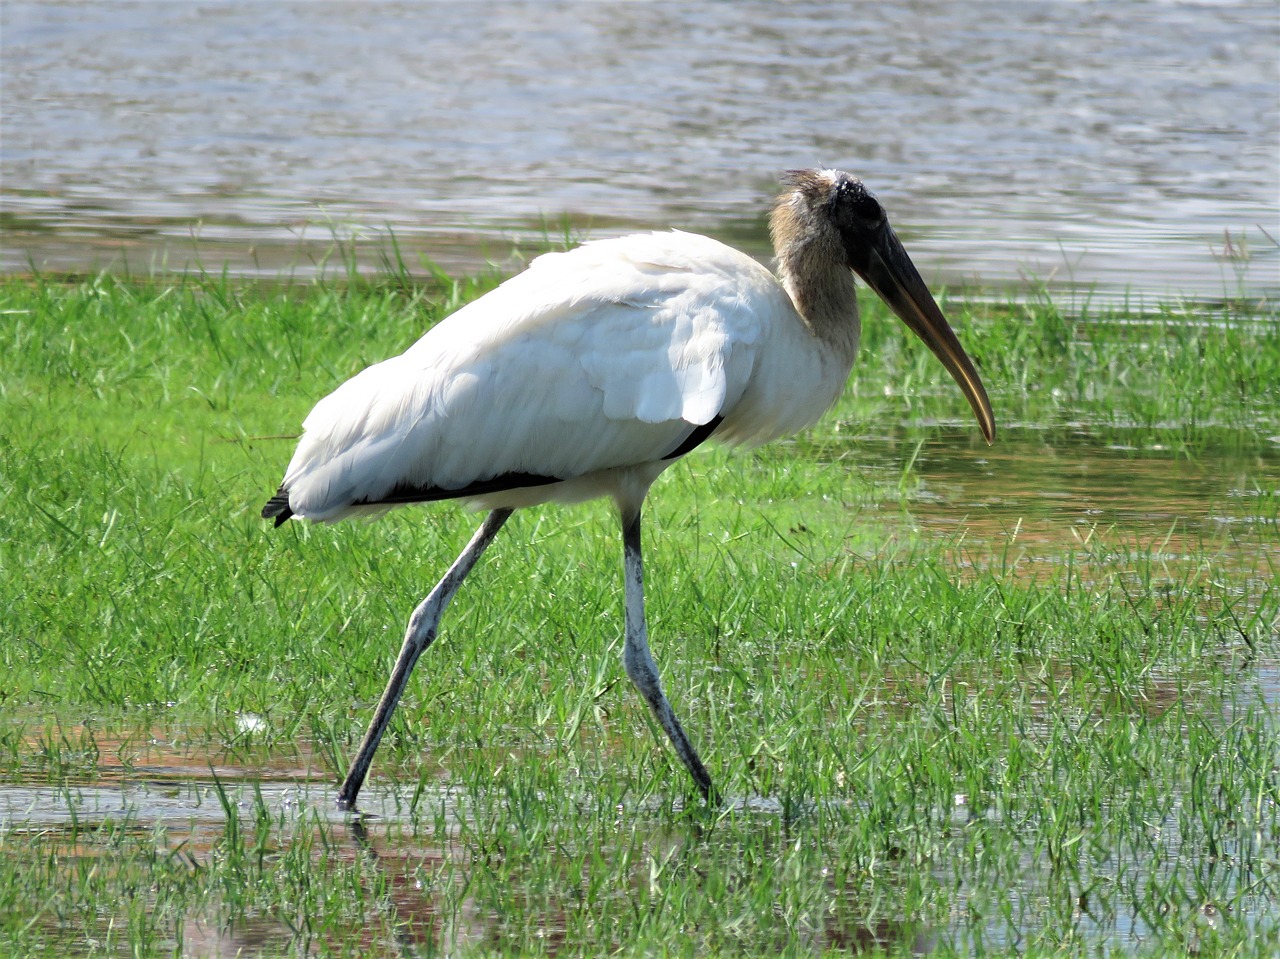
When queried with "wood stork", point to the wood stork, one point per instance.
{"points": [[593, 371]]}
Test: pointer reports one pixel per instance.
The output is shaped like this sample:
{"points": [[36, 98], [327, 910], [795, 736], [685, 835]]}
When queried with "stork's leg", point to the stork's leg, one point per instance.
{"points": [[639, 661], [420, 634]]}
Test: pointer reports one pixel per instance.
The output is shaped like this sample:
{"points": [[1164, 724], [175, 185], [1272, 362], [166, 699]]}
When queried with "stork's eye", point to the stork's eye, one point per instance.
{"points": [[867, 207]]}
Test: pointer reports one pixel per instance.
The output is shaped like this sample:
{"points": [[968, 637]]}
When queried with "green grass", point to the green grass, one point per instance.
{"points": [[953, 738]]}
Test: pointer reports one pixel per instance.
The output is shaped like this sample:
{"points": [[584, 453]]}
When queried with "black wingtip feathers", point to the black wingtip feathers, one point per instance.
{"points": [[277, 507]]}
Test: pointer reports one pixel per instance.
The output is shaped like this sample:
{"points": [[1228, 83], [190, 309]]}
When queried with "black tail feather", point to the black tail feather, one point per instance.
{"points": [[278, 507]]}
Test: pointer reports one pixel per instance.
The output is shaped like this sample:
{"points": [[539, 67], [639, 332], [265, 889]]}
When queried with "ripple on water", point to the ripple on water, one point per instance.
{"points": [[1090, 148]]}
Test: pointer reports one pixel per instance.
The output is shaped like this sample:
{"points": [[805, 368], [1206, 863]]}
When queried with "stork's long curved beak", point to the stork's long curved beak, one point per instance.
{"points": [[890, 272]]}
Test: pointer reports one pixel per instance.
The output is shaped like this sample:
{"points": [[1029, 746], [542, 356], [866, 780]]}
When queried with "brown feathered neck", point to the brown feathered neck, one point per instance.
{"points": [[812, 264]]}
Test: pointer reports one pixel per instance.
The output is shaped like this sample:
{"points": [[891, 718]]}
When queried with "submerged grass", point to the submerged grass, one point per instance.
{"points": [[952, 743]]}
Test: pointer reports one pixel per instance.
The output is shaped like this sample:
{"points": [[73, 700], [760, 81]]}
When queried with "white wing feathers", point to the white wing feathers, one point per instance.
{"points": [[609, 355]]}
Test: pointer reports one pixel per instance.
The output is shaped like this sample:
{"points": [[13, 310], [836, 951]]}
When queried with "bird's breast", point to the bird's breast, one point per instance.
{"points": [[792, 385]]}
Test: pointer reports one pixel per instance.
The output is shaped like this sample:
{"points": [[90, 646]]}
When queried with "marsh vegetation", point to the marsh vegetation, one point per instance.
{"points": [[960, 699]]}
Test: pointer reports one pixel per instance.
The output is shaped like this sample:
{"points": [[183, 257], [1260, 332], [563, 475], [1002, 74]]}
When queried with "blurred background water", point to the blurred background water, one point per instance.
{"points": [[1127, 148]]}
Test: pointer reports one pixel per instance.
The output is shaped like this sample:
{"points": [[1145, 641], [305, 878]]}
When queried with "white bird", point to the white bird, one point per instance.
{"points": [[593, 371]]}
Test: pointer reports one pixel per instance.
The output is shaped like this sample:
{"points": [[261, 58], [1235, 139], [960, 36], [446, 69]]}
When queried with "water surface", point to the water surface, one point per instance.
{"points": [[1125, 147]]}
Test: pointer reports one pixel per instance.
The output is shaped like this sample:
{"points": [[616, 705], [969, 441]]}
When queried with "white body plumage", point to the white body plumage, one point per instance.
{"points": [[589, 367]]}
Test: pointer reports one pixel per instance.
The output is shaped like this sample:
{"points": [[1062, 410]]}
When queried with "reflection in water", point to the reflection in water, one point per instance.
{"points": [[418, 877], [1114, 144], [429, 920], [416, 887]]}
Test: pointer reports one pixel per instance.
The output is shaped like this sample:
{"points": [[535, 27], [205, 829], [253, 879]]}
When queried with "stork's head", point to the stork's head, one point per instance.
{"points": [[831, 215]]}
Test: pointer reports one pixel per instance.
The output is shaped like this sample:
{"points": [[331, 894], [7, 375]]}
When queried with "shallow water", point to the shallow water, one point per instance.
{"points": [[1042, 498], [176, 806], [1105, 146]]}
